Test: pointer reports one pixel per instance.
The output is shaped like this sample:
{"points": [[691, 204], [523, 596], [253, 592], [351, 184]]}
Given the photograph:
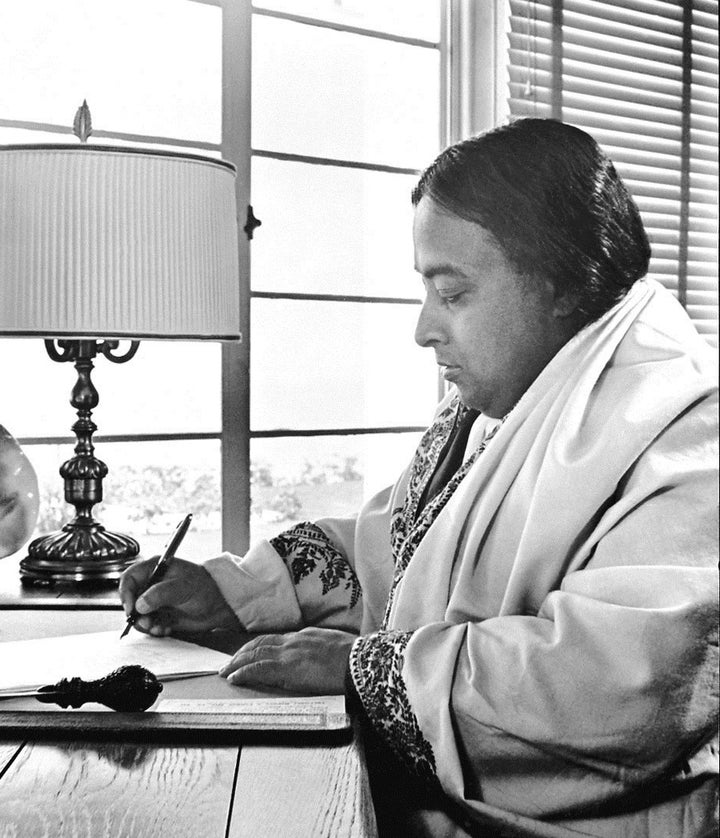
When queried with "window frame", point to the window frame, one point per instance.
{"points": [[454, 63]]}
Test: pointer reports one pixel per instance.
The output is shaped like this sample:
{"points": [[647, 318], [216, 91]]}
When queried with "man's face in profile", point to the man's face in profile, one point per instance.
{"points": [[492, 330]]}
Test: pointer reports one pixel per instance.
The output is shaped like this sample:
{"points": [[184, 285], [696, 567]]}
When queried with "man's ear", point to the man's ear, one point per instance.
{"points": [[565, 304]]}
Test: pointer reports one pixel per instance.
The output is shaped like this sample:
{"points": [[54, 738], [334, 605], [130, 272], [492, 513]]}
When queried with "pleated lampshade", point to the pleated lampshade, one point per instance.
{"points": [[117, 243]]}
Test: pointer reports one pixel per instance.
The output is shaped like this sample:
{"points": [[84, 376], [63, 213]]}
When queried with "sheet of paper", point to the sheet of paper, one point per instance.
{"points": [[33, 663]]}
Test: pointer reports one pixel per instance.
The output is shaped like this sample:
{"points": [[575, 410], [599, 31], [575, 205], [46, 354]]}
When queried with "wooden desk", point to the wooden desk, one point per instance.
{"points": [[134, 789]]}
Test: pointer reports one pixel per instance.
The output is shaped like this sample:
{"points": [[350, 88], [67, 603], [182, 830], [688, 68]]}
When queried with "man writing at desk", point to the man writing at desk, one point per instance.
{"points": [[526, 620]]}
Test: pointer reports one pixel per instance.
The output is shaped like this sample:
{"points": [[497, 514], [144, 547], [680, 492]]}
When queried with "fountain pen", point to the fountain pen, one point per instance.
{"points": [[163, 563]]}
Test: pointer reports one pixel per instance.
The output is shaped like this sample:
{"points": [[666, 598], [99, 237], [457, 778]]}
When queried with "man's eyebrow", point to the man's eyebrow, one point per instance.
{"points": [[442, 270]]}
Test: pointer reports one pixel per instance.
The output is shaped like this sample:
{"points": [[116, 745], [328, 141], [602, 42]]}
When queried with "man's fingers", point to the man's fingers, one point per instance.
{"points": [[265, 648], [161, 595], [261, 673], [132, 582], [158, 623], [126, 589], [263, 641]]}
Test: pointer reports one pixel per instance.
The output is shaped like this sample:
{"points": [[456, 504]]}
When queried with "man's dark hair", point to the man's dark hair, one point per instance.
{"points": [[554, 203]]}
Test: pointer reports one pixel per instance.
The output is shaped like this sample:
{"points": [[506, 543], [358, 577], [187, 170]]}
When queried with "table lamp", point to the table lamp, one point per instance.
{"points": [[97, 245]]}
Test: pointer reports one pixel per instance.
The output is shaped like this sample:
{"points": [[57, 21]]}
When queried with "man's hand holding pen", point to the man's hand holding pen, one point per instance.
{"points": [[186, 599], [174, 596], [162, 564]]}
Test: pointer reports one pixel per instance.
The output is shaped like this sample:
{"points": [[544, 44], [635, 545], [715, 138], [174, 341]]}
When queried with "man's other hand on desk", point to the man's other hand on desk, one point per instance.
{"points": [[313, 661], [186, 600]]}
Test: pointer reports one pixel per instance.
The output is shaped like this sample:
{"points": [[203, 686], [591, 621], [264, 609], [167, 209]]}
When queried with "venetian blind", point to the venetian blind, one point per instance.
{"points": [[642, 78]]}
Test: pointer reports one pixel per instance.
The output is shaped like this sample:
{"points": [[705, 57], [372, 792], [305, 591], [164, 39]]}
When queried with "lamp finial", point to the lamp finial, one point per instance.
{"points": [[82, 124]]}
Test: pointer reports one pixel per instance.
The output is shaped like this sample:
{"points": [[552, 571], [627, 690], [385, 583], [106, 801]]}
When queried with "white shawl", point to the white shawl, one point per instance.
{"points": [[549, 651], [562, 605]]}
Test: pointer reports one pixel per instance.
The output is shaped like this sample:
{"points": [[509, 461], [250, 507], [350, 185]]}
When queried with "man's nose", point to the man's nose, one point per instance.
{"points": [[428, 331]]}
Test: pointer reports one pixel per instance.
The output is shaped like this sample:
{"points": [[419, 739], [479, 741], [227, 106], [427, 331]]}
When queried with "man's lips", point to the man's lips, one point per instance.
{"points": [[449, 371]]}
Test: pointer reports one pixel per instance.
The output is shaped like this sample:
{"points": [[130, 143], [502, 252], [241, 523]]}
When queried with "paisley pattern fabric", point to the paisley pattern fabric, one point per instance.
{"points": [[376, 664], [407, 531], [308, 552], [426, 458]]}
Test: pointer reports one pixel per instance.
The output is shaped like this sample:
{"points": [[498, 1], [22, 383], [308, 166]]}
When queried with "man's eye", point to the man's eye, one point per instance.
{"points": [[450, 299]]}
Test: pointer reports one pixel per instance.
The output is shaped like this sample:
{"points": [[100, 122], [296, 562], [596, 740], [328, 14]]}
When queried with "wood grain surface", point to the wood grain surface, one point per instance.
{"points": [[132, 790], [113, 790], [302, 793], [7, 752]]}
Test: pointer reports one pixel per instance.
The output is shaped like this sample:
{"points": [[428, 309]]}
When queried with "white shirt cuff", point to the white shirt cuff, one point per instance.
{"points": [[258, 588]]}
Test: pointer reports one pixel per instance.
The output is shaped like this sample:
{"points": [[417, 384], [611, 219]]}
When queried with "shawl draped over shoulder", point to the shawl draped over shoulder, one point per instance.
{"points": [[540, 640]]}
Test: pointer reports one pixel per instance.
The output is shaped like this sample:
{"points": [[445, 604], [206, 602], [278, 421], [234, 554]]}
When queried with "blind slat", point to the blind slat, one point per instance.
{"points": [[619, 99], [598, 64], [706, 7], [624, 109], [627, 77], [658, 136], [621, 62], [705, 284], [576, 41], [621, 93], [668, 37], [660, 222], [651, 16]]}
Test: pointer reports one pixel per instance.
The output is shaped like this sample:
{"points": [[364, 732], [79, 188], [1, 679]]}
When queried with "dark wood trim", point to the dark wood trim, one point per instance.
{"points": [[686, 106], [106, 438], [235, 447], [306, 432], [332, 161], [333, 298], [557, 60], [341, 27]]}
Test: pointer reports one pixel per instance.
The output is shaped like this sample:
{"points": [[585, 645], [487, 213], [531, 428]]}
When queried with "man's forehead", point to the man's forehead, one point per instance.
{"points": [[447, 244]]}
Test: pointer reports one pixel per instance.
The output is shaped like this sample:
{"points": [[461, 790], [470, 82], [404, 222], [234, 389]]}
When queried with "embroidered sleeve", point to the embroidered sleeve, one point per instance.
{"points": [[326, 586], [376, 663]]}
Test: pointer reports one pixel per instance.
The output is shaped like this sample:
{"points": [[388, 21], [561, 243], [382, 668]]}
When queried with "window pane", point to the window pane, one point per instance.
{"points": [[332, 230], [334, 94], [167, 387], [303, 479], [330, 365], [149, 488], [144, 66], [412, 18]]}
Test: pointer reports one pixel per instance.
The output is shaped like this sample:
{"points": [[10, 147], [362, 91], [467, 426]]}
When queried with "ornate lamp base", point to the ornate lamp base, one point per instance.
{"points": [[83, 551], [78, 553]]}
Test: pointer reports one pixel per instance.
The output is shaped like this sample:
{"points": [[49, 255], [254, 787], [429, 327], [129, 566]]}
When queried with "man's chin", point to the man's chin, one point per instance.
{"points": [[484, 406], [471, 398]]}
